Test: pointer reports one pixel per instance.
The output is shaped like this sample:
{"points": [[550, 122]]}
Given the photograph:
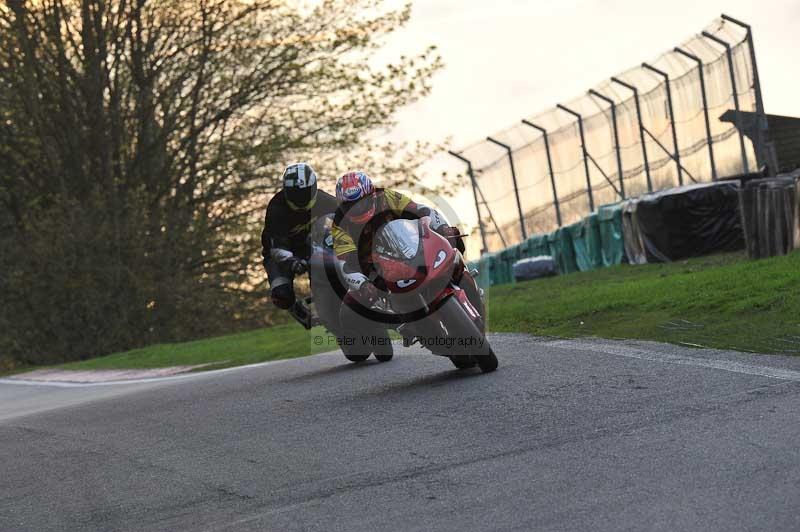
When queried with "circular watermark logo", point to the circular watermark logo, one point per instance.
{"points": [[390, 239]]}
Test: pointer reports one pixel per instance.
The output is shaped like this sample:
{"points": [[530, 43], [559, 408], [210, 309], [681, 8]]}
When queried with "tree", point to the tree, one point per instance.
{"points": [[138, 143]]}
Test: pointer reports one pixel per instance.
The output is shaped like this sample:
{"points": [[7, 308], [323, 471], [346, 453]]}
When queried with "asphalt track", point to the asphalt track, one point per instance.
{"points": [[566, 435]]}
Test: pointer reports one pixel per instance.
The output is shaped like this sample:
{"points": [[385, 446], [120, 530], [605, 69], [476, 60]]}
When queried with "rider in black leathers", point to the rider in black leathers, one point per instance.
{"points": [[290, 215]]}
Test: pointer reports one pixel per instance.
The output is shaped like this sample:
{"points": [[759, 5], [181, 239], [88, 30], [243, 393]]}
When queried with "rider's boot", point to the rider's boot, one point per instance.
{"points": [[302, 314]]}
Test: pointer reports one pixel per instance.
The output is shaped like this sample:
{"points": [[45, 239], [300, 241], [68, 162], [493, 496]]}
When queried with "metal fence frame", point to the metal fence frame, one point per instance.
{"points": [[760, 145]]}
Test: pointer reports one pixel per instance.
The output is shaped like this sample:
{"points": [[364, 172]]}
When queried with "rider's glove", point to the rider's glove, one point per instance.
{"points": [[447, 231], [368, 293], [299, 266], [453, 235]]}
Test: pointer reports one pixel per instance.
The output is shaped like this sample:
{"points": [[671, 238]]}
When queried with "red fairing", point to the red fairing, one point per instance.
{"points": [[439, 254], [438, 257], [468, 307], [463, 300], [395, 270]]}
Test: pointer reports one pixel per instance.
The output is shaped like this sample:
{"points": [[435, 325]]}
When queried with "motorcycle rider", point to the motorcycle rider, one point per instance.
{"points": [[363, 209], [290, 215]]}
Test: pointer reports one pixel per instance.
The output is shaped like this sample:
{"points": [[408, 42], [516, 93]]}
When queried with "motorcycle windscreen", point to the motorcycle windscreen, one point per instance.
{"points": [[398, 239]]}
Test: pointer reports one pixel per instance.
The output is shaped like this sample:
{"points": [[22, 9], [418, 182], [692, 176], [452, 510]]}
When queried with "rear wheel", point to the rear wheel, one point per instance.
{"points": [[356, 358], [383, 358]]}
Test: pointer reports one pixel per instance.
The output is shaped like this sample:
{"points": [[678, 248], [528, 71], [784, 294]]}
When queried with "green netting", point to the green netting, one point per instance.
{"points": [[560, 245], [508, 257], [575, 232], [524, 250], [609, 219], [594, 243], [486, 270], [535, 246], [585, 237]]}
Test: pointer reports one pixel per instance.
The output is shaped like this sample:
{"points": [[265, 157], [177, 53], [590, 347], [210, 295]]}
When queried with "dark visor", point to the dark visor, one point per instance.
{"points": [[360, 207], [300, 197]]}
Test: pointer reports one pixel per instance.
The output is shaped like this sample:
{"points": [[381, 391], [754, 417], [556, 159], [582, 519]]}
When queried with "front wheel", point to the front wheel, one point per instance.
{"points": [[353, 353], [383, 358], [487, 363], [467, 339], [463, 361]]}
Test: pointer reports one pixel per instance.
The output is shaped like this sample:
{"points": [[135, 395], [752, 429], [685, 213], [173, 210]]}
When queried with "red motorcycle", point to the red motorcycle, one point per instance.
{"points": [[432, 299]]}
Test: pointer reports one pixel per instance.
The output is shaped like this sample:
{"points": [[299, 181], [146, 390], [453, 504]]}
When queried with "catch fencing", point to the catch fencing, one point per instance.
{"points": [[666, 123]]}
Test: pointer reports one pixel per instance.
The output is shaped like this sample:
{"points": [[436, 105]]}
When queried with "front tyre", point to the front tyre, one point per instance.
{"points": [[354, 353], [468, 339], [463, 361], [383, 349], [487, 363]]}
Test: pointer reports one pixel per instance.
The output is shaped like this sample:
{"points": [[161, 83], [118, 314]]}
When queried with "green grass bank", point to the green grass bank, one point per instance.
{"points": [[723, 301], [274, 343]]}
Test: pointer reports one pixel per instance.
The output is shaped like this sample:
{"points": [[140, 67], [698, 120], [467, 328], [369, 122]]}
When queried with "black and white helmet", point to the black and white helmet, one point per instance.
{"points": [[300, 186]]}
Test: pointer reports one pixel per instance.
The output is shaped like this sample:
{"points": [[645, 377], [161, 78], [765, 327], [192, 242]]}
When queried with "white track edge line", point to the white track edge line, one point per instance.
{"points": [[197, 374], [654, 356]]}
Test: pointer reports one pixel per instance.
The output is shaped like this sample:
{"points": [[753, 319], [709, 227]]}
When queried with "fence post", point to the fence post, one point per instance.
{"points": [[735, 90], [475, 196], [762, 128], [616, 138], [514, 179], [677, 153], [705, 108], [543, 131], [641, 128], [585, 154]]}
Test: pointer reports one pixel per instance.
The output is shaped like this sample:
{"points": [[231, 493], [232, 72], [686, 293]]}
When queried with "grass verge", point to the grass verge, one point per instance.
{"points": [[274, 343], [720, 301], [723, 301]]}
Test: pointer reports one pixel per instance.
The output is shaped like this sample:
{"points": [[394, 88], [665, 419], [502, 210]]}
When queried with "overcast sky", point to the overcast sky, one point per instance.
{"points": [[506, 59]]}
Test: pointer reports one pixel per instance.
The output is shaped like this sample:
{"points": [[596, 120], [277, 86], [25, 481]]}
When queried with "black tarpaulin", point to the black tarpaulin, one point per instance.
{"points": [[689, 221], [631, 235]]}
